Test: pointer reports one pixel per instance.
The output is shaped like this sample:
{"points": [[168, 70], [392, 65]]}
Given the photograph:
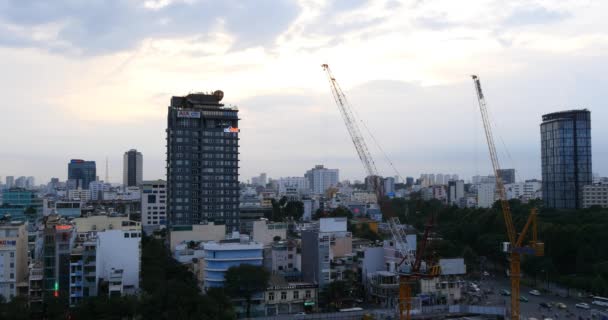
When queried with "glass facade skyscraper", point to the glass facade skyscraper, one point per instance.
{"points": [[81, 173], [202, 161], [566, 157]]}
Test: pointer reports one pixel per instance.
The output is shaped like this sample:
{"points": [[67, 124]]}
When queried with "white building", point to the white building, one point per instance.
{"points": [[595, 195], [486, 195], [320, 179], [523, 190], [79, 194], [154, 203], [97, 188], [119, 250], [455, 191], [298, 183], [389, 185], [265, 231], [13, 257]]}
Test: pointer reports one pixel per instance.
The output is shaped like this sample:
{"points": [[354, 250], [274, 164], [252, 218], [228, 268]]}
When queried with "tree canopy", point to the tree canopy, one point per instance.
{"points": [[244, 281]]}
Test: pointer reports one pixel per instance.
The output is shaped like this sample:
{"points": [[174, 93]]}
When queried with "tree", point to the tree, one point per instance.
{"points": [[336, 292], [244, 281]]}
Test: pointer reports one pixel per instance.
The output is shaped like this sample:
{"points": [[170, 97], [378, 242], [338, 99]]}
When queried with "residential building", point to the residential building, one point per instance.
{"points": [[79, 194], [389, 186], [220, 256], [566, 158], [264, 231], [64, 208], [10, 182], [13, 257], [81, 173], [320, 247], [154, 204], [595, 195], [132, 168], [507, 175], [202, 161], [83, 271], [58, 239], [525, 191], [119, 268], [284, 297], [284, 259], [21, 182], [320, 179], [449, 286], [91, 225], [486, 195], [455, 191]]}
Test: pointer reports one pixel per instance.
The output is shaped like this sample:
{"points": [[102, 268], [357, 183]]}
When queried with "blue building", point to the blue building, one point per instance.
{"points": [[229, 253], [16, 201], [81, 173]]}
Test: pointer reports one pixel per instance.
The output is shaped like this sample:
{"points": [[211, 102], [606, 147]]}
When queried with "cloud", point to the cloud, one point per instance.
{"points": [[101, 27], [534, 15]]}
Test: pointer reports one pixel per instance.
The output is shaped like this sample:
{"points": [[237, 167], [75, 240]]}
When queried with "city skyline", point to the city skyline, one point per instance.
{"points": [[412, 61]]}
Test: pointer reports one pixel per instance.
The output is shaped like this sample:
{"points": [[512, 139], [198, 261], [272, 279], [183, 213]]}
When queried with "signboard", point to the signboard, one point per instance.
{"points": [[231, 129], [188, 114]]}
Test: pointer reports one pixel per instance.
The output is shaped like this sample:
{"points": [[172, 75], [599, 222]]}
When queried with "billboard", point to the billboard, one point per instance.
{"points": [[188, 114], [231, 129]]}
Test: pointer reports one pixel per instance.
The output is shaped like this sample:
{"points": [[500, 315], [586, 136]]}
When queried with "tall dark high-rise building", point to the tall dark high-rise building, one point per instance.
{"points": [[81, 173], [202, 161], [566, 157], [507, 175], [132, 168]]}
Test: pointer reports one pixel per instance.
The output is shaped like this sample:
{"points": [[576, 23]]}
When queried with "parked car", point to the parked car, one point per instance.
{"points": [[534, 292], [505, 292], [561, 305], [545, 305], [523, 299], [582, 305], [486, 274]]}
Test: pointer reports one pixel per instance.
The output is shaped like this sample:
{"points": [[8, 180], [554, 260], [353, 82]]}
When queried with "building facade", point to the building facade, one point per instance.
{"points": [[566, 158], [132, 168], [13, 257], [320, 179], [219, 257], [81, 173], [154, 204], [202, 161], [455, 191], [595, 195]]}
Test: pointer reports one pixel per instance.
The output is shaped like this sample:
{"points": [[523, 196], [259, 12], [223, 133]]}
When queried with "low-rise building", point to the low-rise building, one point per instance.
{"points": [[264, 231], [448, 287], [13, 257], [284, 297], [196, 233]]}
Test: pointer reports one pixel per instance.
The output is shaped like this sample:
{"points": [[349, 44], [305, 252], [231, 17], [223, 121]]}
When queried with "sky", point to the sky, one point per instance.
{"points": [[93, 79]]}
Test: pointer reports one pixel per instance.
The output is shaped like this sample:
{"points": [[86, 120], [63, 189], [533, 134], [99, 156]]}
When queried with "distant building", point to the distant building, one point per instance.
{"points": [[196, 233], [486, 195], [455, 191], [282, 297], [202, 161], [595, 195], [298, 184], [320, 179], [154, 204], [389, 186], [13, 257], [81, 173], [507, 175], [566, 158], [17, 202], [118, 260], [58, 237], [265, 231], [97, 189], [132, 168], [525, 191], [10, 182]]}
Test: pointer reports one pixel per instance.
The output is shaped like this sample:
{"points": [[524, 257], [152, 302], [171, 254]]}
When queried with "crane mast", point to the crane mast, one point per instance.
{"points": [[353, 130], [516, 248]]}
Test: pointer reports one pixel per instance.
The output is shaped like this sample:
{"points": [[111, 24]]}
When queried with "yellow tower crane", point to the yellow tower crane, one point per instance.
{"points": [[515, 246]]}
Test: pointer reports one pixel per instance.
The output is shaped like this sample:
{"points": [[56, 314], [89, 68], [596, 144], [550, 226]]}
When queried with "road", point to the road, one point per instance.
{"points": [[532, 307]]}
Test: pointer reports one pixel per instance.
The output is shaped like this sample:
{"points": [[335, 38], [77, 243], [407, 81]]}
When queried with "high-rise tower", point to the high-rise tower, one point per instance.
{"points": [[132, 171], [202, 161], [566, 157]]}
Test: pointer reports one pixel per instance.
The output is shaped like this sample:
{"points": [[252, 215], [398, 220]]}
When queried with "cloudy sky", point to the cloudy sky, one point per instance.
{"points": [[92, 79]]}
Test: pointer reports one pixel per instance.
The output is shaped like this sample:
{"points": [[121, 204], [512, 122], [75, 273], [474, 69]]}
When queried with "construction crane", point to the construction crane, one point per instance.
{"points": [[515, 245], [406, 279]]}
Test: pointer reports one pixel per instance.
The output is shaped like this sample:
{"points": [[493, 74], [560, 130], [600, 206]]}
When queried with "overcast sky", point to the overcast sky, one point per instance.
{"points": [[92, 79]]}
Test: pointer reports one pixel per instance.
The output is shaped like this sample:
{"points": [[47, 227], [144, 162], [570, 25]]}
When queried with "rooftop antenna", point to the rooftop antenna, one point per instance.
{"points": [[107, 173]]}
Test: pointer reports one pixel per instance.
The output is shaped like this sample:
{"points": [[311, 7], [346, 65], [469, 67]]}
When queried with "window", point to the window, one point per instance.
{"points": [[126, 235], [283, 294], [296, 294], [307, 294], [270, 296]]}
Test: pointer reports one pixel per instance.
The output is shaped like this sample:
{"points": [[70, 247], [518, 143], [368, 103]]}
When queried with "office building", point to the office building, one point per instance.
{"points": [[154, 204], [10, 182], [320, 179], [293, 184], [202, 161], [13, 257], [234, 251], [455, 191], [132, 168], [595, 195], [21, 204], [81, 173], [486, 195], [97, 189], [507, 175], [566, 158]]}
